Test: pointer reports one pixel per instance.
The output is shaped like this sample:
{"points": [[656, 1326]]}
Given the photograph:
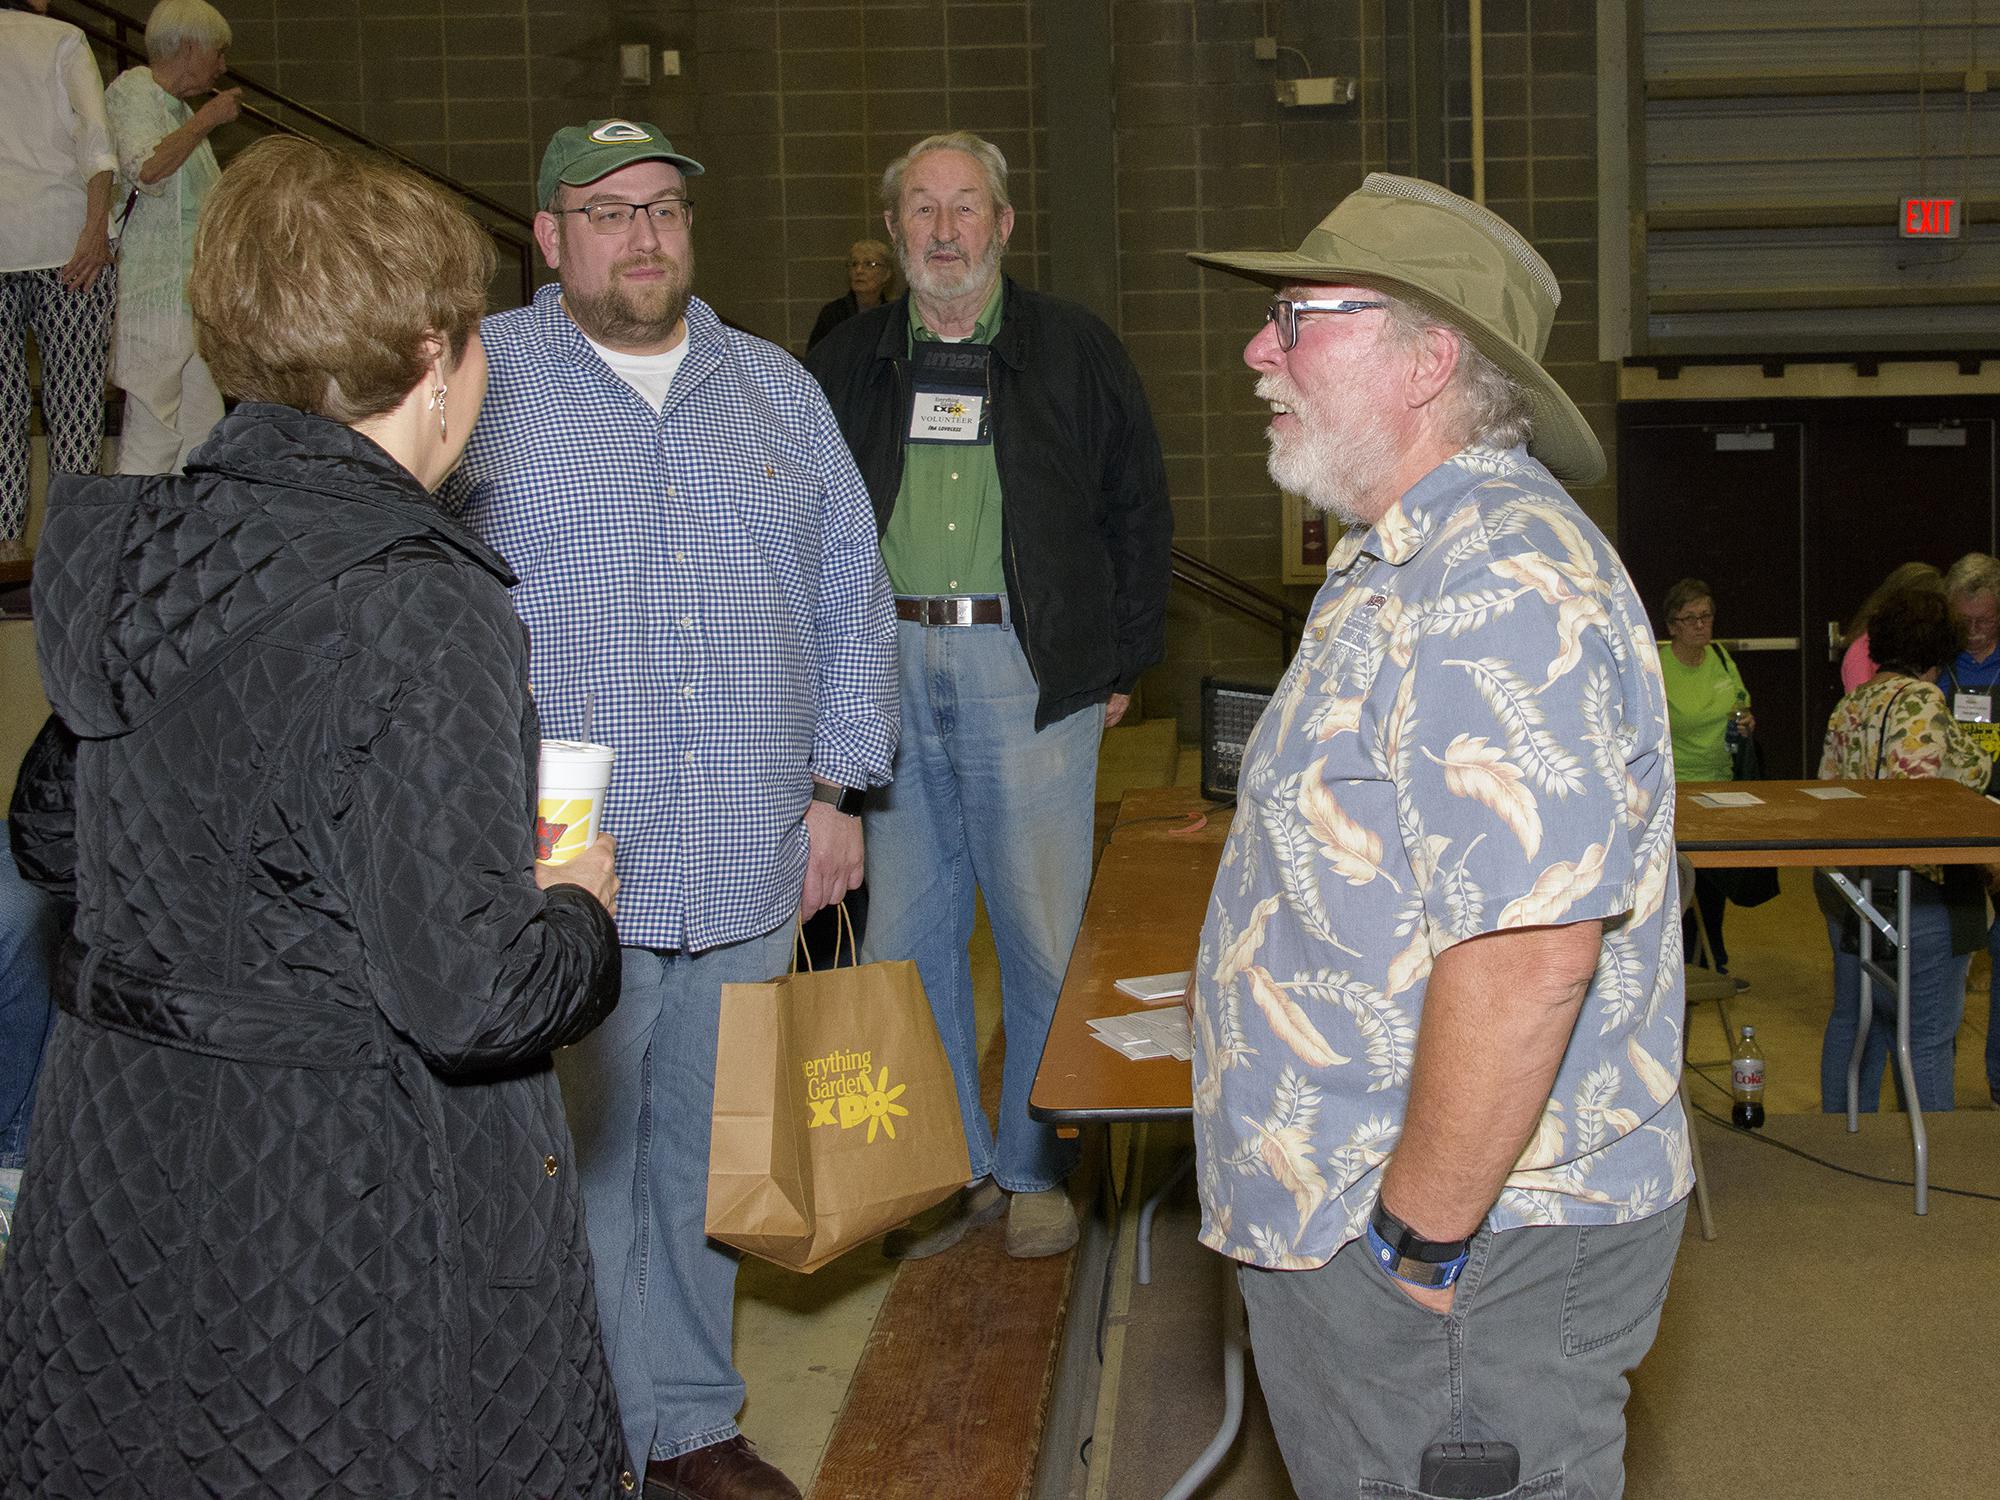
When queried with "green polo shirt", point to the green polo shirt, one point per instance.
{"points": [[944, 534]]}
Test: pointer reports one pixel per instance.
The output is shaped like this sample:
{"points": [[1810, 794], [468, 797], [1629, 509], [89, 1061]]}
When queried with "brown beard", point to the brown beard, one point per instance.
{"points": [[621, 313]]}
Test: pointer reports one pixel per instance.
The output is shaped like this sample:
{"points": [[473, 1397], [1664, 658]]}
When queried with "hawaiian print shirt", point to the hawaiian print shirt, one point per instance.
{"points": [[1472, 737], [1897, 728]]}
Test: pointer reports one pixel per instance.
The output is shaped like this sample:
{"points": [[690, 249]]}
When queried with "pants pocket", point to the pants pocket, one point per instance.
{"points": [[1549, 1486], [1617, 1281]]}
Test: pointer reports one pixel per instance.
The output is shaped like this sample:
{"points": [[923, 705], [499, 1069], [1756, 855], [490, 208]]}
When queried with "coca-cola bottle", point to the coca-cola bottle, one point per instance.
{"points": [[1746, 1081]]}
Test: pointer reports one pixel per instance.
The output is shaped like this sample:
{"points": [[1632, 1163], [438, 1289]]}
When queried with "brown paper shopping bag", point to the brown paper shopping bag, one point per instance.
{"points": [[836, 1117]]}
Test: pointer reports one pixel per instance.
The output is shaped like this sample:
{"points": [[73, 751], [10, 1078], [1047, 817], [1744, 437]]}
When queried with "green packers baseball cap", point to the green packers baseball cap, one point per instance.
{"points": [[583, 153]]}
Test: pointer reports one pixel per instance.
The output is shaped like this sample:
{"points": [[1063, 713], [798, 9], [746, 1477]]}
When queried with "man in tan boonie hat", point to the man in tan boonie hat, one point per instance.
{"points": [[1458, 264], [1437, 1002]]}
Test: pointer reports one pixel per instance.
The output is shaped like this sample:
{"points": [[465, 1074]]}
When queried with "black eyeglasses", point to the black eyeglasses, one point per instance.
{"points": [[1285, 313], [616, 218]]}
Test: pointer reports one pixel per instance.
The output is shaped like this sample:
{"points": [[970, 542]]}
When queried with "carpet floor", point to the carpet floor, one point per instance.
{"points": [[1827, 1344]]}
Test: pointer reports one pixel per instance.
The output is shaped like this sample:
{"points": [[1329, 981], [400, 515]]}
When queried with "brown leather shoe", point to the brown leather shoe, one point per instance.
{"points": [[728, 1470]]}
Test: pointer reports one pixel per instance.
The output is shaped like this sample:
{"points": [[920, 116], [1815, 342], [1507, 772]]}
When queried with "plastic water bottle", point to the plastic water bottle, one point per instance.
{"points": [[1732, 733], [1746, 1081]]}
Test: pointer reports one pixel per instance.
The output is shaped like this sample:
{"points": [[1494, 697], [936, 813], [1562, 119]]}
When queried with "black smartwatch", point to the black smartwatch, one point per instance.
{"points": [[1408, 1256], [842, 799]]}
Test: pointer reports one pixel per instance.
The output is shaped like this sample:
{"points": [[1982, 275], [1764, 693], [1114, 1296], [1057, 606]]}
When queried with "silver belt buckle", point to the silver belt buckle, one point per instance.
{"points": [[961, 611]]}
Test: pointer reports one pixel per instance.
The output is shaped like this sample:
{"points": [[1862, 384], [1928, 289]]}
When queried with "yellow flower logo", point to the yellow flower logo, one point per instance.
{"points": [[881, 1103], [877, 1106]]}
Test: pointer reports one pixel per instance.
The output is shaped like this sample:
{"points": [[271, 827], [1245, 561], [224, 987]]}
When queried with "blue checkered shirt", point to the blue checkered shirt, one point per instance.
{"points": [[709, 574]]}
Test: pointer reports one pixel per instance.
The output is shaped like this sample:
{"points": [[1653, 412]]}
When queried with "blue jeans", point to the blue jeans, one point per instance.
{"points": [[980, 800], [638, 1092], [28, 936], [1937, 1005]]}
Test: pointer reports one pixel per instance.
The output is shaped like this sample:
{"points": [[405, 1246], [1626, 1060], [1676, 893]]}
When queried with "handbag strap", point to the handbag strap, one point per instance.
{"points": [[1882, 733]]}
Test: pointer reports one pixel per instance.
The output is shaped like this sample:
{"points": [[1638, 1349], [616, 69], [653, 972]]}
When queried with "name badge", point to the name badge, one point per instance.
{"points": [[951, 394], [940, 414], [1972, 708]]}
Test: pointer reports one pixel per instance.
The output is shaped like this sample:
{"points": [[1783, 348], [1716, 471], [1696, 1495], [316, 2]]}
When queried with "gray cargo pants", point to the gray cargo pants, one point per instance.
{"points": [[1545, 1327]]}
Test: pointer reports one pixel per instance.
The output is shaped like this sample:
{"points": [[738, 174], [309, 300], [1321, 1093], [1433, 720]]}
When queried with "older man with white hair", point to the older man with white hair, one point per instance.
{"points": [[1022, 504], [1438, 997], [165, 170], [1971, 685]]}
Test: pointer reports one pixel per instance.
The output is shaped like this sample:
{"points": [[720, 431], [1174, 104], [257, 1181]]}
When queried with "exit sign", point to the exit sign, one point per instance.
{"points": [[1930, 218]]}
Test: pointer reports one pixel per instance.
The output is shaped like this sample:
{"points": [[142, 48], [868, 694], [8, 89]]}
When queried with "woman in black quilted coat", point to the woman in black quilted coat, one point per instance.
{"points": [[299, 1216]]}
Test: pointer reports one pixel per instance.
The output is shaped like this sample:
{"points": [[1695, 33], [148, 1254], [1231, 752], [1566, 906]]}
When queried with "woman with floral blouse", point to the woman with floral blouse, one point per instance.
{"points": [[1897, 725]]}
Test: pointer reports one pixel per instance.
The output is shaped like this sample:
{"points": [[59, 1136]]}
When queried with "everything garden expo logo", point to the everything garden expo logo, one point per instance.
{"points": [[844, 1091]]}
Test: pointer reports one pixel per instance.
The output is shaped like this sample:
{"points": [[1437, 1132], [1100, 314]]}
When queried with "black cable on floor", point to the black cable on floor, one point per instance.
{"points": [[1820, 1161], [1111, 1251]]}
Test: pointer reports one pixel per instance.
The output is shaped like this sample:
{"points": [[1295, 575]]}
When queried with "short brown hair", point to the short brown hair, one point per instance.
{"points": [[320, 277], [1913, 631], [1680, 596]]}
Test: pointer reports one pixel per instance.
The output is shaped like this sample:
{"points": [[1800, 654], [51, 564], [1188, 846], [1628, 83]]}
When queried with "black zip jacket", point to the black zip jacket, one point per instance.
{"points": [[1086, 526]]}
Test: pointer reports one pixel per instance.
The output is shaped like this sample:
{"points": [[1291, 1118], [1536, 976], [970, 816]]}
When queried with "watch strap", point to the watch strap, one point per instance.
{"points": [[1408, 1256], [842, 799]]}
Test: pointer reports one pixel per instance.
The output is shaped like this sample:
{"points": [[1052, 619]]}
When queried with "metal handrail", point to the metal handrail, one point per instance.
{"points": [[1253, 603], [127, 51]]}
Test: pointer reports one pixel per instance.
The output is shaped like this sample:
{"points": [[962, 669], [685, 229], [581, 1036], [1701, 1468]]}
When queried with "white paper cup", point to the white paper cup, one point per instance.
{"points": [[569, 798]]}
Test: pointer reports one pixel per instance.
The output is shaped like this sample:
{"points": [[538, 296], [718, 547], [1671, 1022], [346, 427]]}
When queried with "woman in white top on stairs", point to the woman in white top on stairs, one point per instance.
{"points": [[55, 254], [165, 169]]}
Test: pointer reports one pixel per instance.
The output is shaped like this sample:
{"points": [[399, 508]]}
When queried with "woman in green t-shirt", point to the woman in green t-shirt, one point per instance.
{"points": [[1704, 692]]}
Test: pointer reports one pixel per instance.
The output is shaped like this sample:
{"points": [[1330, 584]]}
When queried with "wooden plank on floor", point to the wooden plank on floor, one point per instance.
{"points": [[953, 1386]]}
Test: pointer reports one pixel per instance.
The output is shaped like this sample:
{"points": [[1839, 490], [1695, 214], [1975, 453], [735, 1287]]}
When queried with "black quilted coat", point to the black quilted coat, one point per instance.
{"points": [[300, 1217]]}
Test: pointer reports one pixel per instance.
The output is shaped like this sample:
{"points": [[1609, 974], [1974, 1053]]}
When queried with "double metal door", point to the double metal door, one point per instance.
{"points": [[1792, 512]]}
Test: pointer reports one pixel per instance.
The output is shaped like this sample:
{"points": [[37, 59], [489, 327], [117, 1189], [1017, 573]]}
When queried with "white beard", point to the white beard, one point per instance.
{"points": [[1338, 460], [941, 285]]}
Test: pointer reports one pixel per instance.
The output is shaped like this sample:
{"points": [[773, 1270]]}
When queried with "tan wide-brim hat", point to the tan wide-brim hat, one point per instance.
{"points": [[1458, 262]]}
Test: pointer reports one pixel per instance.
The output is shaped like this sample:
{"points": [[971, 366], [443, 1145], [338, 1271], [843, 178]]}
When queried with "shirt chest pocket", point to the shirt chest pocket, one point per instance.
{"points": [[781, 505]]}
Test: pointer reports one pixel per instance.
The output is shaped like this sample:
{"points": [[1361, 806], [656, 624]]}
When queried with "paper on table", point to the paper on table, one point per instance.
{"points": [[1827, 793], [1143, 1034], [1154, 989], [1729, 799]]}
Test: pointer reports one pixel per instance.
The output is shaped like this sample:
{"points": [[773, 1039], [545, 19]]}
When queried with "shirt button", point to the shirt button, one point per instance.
{"points": [[688, 691], [687, 622], [680, 557], [689, 757], [549, 1165], [1319, 632], [627, 1482], [954, 583], [951, 526], [954, 473], [769, 472]]}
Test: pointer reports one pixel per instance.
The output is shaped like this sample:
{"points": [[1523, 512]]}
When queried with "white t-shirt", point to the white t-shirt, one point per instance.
{"points": [[648, 374]]}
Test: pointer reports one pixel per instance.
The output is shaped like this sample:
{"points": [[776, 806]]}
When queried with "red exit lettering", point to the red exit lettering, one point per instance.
{"points": [[1930, 218]]}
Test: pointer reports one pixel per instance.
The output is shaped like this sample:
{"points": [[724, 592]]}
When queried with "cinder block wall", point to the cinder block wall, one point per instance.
{"points": [[795, 107]]}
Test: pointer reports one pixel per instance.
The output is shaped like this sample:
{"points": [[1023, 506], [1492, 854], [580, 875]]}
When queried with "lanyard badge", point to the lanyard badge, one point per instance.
{"points": [[951, 394]]}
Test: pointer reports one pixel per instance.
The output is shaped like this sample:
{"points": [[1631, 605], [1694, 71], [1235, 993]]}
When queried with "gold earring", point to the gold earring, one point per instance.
{"points": [[437, 401]]}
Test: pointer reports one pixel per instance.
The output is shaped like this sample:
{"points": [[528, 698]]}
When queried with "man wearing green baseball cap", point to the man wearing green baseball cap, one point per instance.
{"points": [[1438, 999], [699, 575]]}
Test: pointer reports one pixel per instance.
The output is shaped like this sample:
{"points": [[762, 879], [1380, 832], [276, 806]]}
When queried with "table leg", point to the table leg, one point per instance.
{"points": [[1235, 1340], [1181, 1169], [1863, 1017], [1919, 1140]]}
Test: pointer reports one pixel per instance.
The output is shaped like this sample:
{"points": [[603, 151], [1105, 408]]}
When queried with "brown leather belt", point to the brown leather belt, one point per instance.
{"points": [[951, 609]]}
